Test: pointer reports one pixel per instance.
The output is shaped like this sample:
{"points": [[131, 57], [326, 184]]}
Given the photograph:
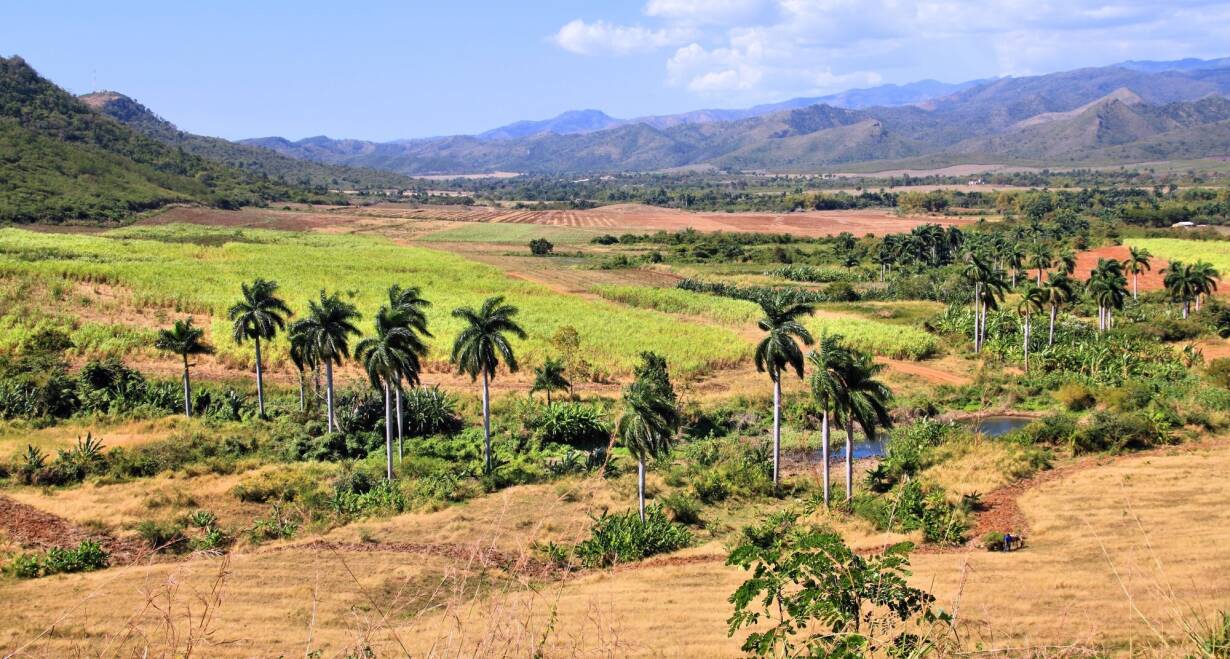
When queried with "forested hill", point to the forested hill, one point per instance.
{"points": [[241, 156], [60, 160]]}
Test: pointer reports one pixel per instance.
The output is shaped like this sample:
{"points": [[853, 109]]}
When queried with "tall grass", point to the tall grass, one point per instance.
{"points": [[875, 336], [192, 269], [675, 300], [1216, 252]]}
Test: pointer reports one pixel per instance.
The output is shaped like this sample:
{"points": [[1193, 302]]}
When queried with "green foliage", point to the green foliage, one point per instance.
{"points": [[1109, 432], [429, 411], [682, 508], [574, 424], [811, 595], [813, 274], [910, 507], [623, 538], [86, 557], [541, 247], [1074, 396]]}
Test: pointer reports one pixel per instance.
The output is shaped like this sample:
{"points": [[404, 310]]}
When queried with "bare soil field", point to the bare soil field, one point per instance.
{"points": [[1150, 280], [636, 217]]}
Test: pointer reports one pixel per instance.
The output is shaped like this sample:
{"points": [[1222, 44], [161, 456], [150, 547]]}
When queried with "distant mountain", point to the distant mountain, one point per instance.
{"points": [[1189, 64], [1092, 115], [60, 160], [241, 156], [569, 123]]}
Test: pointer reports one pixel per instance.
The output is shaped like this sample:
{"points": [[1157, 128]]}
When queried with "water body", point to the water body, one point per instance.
{"points": [[862, 450], [996, 426]]}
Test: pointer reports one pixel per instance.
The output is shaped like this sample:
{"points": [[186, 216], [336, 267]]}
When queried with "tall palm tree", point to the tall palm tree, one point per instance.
{"points": [[184, 339], [390, 357], [1034, 299], [865, 403], [303, 357], [327, 327], [1208, 277], [261, 314], [410, 303], [1040, 259], [829, 361], [1014, 254], [646, 428], [989, 287], [1058, 290], [550, 377], [1187, 282], [1067, 262], [777, 350], [479, 348], [1136, 263], [1108, 287]]}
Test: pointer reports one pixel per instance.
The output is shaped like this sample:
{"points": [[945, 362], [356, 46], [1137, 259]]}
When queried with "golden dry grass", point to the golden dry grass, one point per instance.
{"points": [[16, 435]]}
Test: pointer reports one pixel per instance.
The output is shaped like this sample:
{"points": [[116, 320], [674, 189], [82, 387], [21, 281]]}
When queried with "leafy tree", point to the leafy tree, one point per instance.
{"points": [[865, 403], [777, 350], [261, 314], [184, 339], [327, 328], [550, 377], [541, 247], [303, 356], [829, 361], [479, 348], [810, 595], [390, 357], [1040, 259]]}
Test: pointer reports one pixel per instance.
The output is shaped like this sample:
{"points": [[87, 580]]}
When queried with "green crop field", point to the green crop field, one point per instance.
{"points": [[1216, 252], [875, 336], [479, 232], [674, 300], [192, 269]]}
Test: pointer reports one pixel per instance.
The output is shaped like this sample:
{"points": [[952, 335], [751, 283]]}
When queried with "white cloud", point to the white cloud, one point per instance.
{"points": [[759, 50], [602, 38]]}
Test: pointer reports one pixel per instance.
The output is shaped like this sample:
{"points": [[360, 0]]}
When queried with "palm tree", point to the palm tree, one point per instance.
{"points": [[479, 348], [390, 357], [410, 304], [1015, 255], [550, 377], [259, 315], [184, 339], [776, 351], [303, 357], [327, 328], [829, 361], [1108, 287], [1033, 299], [1058, 290], [1136, 263], [1040, 259], [1187, 282], [865, 403], [1208, 277], [646, 428]]}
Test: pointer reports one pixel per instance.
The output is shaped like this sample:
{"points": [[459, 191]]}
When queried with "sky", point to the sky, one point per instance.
{"points": [[385, 69]]}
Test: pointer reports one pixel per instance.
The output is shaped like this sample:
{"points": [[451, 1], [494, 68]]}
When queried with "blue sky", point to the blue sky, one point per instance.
{"points": [[386, 70]]}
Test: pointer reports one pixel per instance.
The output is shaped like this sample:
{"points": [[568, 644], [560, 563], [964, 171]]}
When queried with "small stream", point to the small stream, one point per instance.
{"points": [[987, 426]]}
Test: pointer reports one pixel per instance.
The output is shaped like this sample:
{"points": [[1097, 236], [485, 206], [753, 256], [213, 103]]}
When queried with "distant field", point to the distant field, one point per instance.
{"points": [[511, 233], [674, 300], [1216, 252], [155, 274], [876, 336]]}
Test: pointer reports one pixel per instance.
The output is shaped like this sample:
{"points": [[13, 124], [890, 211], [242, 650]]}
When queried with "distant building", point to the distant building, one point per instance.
{"points": [[1183, 225]]}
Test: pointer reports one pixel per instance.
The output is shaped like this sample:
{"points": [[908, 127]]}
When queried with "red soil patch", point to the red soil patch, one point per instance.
{"points": [[1150, 280], [932, 375], [35, 529]]}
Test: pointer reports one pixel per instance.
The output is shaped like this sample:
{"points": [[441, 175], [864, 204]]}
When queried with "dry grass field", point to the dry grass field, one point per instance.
{"points": [[1120, 561]]}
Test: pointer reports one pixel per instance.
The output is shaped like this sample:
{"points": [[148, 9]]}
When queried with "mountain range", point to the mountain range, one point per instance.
{"points": [[1131, 112]]}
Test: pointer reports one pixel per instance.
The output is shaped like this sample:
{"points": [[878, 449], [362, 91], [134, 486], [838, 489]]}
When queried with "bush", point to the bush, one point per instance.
{"points": [[541, 247], [428, 411], [682, 508], [993, 540], [1218, 370], [291, 483], [623, 538], [574, 424], [1074, 397], [86, 557], [1106, 431], [163, 536]]}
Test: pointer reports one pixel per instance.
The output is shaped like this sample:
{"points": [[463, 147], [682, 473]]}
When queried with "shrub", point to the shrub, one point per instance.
{"points": [[428, 411], [541, 247], [623, 538], [163, 536], [1106, 431], [1053, 429], [384, 498], [277, 526], [993, 540], [1218, 370], [287, 484], [682, 508], [86, 557], [1074, 397], [575, 424]]}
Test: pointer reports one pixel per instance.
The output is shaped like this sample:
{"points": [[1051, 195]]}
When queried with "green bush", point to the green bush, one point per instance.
{"points": [[1074, 397], [429, 411], [1218, 370], [86, 557], [574, 424], [623, 538], [163, 535], [1105, 431], [682, 508], [1053, 430]]}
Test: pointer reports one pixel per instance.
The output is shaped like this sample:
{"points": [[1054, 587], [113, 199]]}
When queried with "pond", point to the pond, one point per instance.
{"points": [[996, 426], [862, 450]]}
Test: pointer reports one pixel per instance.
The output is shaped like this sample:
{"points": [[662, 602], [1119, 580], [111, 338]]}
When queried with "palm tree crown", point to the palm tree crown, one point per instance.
{"points": [[778, 349], [482, 343], [550, 377], [261, 314]]}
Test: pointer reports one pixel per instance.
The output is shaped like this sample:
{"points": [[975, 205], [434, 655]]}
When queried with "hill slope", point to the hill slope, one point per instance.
{"points": [[63, 161], [240, 156]]}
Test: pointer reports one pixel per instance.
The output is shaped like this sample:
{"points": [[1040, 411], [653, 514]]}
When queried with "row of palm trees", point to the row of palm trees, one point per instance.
{"points": [[843, 383]]}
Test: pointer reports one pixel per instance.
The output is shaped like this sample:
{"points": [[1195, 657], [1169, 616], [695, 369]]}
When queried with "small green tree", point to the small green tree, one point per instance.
{"points": [[541, 247], [184, 339], [550, 377], [811, 595]]}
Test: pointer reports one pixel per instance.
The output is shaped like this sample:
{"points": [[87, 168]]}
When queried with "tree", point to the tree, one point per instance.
{"points": [[1015, 255], [1137, 262], [1207, 276], [184, 339], [327, 328], [390, 357], [1108, 287], [647, 426], [479, 348], [1058, 290], [411, 307], [1034, 299], [550, 377], [989, 287], [1187, 282], [303, 356], [829, 361], [777, 350], [541, 247], [1040, 259], [810, 595], [260, 314], [865, 404]]}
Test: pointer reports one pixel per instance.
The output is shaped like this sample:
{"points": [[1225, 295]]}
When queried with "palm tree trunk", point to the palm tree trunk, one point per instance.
{"points": [[640, 486], [400, 426], [1135, 296], [977, 308], [187, 390], [1050, 337], [388, 433], [777, 429], [1026, 344], [548, 398], [1187, 305], [302, 392], [486, 422], [1039, 277], [260, 380], [849, 455], [330, 416], [824, 452]]}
